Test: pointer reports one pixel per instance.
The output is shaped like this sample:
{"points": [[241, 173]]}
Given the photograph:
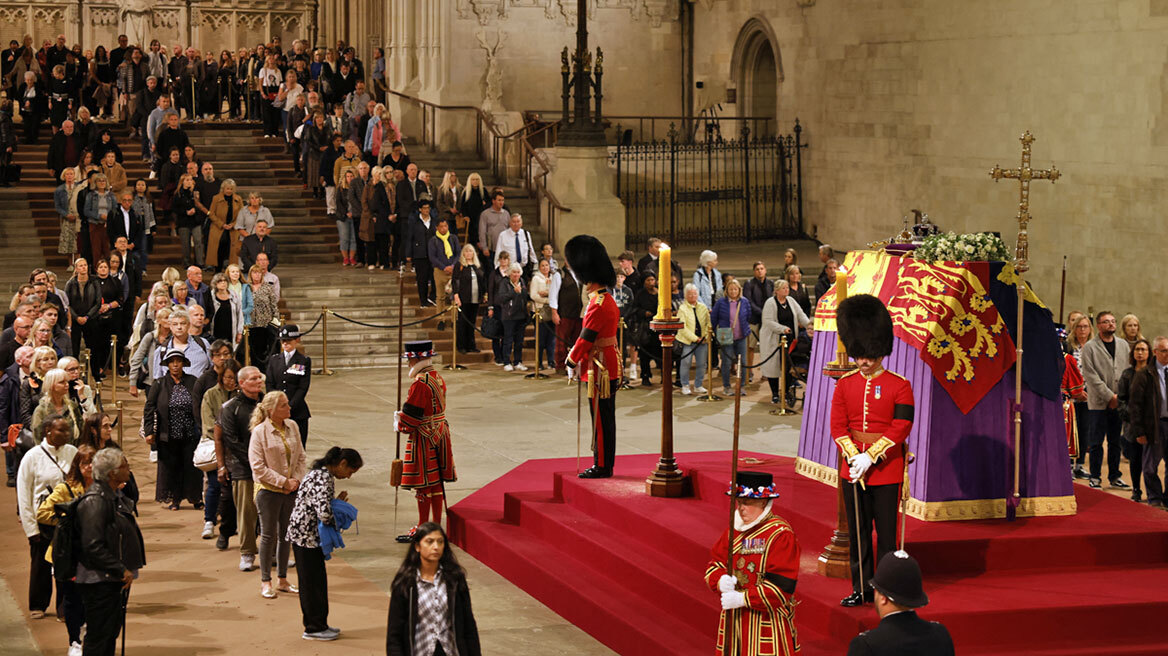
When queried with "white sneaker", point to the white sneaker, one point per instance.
{"points": [[325, 635], [208, 530], [75, 649], [701, 390], [153, 456], [508, 368], [247, 562], [685, 390], [521, 367]]}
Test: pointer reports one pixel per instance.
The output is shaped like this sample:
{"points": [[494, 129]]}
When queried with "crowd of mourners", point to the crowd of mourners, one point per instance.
{"points": [[222, 379], [1115, 382]]}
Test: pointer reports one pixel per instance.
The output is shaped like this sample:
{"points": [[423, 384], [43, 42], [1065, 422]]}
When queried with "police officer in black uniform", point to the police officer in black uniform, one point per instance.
{"points": [[290, 371], [901, 632]]}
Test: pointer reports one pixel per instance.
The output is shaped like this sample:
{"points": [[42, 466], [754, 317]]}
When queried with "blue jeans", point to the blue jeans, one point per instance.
{"points": [[347, 235], [1104, 425], [732, 353], [512, 349], [211, 497], [694, 353], [547, 344]]}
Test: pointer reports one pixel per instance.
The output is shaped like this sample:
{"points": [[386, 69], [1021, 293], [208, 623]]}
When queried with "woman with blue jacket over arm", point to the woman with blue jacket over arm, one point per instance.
{"points": [[731, 321], [314, 506]]}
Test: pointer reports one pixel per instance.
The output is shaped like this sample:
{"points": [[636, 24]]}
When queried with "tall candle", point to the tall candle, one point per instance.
{"points": [[664, 284], [841, 292]]}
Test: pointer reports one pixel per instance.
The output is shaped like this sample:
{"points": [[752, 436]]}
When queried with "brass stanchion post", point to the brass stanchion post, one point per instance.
{"points": [[783, 410], [536, 375], [454, 366], [86, 367], [114, 368], [247, 346], [624, 384], [121, 425], [324, 368], [709, 373]]}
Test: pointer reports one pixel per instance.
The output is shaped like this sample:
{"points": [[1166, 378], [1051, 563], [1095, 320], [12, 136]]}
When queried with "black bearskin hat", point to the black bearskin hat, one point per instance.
{"points": [[589, 260], [865, 326]]}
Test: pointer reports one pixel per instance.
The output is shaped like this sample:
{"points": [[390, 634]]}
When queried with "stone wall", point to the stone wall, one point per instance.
{"points": [[909, 103]]}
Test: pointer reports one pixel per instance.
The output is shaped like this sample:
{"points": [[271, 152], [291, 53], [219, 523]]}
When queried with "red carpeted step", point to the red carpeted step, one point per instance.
{"points": [[583, 594], [654, 551]]}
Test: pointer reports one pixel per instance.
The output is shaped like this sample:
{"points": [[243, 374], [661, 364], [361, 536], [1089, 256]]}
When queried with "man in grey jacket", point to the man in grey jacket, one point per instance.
{"points": [[1104, 359]]}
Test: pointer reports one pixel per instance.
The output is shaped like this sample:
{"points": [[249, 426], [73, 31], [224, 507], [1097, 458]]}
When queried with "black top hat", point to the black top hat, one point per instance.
{"points": [[754, 485], [589, 260], [289, 331], [898, 577], [864, 326], [175, 353], [419, 349]]}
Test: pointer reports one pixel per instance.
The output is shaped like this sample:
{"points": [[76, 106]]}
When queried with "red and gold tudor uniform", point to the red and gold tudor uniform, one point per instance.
{"points": [[429, 460], [597, 343], [766, 566]]}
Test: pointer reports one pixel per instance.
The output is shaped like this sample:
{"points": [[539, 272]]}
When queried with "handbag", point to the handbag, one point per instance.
{"points": [[204, 458], [492, 327], [725, 335], [25, 442]]}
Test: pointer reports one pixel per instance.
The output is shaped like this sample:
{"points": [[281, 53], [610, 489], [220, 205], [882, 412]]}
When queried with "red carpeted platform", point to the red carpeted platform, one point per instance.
{"points": [[627, 568]]}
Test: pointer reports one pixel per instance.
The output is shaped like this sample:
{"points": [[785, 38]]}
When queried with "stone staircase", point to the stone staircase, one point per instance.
{"points": [[19, 243], [237, 151]]}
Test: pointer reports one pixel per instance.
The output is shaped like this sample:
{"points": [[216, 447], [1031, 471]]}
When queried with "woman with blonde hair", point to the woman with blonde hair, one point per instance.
{"points": [[55, 400], [99, 205], [447, 202], [41, 334], [235, 282], [474, 200], [382, 202], [468, 284], [260, 306], [225, 207], [32, 389], [1129, 327], [278, 464], [365, 227], [182, 294], [170, 275]]}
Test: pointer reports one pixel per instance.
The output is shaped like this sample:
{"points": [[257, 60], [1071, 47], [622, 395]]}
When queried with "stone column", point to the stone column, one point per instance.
{"points": [[583, 182]]}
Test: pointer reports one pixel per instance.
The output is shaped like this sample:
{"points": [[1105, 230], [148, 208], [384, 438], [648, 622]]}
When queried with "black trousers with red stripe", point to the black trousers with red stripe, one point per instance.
{"points": [[604, 427]]}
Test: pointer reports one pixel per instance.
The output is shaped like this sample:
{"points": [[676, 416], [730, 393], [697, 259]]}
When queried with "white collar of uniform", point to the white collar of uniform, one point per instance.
{"points": [[742, 527], [419, 366]]}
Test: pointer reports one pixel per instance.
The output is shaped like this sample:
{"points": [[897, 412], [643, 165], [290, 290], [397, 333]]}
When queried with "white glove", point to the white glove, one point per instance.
{"points": [[733, 599], [727, 583], [859, 465], [571, 372], [397, 421]]}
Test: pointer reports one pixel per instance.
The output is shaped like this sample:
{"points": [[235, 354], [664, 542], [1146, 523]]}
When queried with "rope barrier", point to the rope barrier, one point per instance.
{"points": [[318, 319], [387, 326]]}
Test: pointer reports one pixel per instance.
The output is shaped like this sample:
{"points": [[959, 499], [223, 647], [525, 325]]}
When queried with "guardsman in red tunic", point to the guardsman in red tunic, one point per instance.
{"points": [[595, 354], [1074, 389], [429, 461], [758, 605], [871, 416]]}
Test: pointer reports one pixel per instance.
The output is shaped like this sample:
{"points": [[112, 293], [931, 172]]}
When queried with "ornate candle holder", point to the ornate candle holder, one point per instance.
{"points": [[667, 479]]}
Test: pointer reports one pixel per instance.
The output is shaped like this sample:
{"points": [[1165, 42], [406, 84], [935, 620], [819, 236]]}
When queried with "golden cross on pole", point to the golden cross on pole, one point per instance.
{"points": [[1024, 174]]}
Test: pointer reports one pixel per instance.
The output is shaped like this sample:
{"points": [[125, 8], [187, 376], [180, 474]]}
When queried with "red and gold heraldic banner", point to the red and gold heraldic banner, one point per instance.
{"points": [[943, 309]]}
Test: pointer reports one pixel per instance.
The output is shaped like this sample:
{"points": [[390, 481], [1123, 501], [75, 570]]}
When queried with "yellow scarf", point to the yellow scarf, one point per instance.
{"points": [[445, 242]]}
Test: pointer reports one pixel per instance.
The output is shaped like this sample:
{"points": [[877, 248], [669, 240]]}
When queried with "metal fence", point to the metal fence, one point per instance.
{"points": [[712, 190]]}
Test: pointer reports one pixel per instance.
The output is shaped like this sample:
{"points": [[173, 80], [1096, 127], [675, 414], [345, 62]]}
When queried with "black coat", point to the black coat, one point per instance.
{"points": [[56, 159], [115, 226], [109, 541], [903, 634], [38, 105], [293, 379], [512, 304], [156, 414], [757, 293], [407, 196], [1143, 404], [84, 300], [251, 247], [460, 283], [417, 236], [184, 200], [7, 132], [403, 617]]}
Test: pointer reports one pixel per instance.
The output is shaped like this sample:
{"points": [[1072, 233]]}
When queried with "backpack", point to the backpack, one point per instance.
{"points": [[65, 540]]}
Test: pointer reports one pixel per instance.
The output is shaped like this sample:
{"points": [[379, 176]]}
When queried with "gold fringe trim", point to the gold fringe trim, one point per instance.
{"points": [[945, 511]]}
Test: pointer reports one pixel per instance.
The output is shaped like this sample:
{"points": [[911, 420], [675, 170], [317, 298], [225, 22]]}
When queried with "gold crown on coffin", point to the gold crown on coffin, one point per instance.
{"points": [[910, 234]]}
